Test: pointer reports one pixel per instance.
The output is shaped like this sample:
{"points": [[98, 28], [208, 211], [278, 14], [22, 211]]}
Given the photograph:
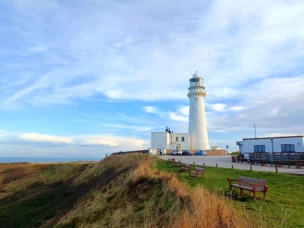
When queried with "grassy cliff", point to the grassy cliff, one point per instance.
{"points": [[119, 191]]}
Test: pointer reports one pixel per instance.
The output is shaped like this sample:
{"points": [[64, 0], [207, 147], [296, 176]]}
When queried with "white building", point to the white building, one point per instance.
{"points": [[197, 138], [170, 141], [271, 144]]}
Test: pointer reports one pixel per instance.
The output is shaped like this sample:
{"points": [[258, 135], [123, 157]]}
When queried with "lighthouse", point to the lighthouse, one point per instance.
{"points": [[197, 115], [197, 137]]}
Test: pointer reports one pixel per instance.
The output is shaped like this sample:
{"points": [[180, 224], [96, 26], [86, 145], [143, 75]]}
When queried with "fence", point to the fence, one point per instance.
{"points": [[276, 158]]}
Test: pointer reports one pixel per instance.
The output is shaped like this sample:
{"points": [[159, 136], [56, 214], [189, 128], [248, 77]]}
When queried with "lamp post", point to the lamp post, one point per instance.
{"points": [[272, 151]]}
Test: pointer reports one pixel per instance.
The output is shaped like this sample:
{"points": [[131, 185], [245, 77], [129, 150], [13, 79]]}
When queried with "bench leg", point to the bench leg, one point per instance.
{"points": [[264, 194], [230, 190], [241, 192], [254, 195]]}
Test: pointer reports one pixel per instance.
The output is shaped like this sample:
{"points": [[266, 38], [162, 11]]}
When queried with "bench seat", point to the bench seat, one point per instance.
{"points": [[197, 171], [186, 167], [243, 187], [177, 163]]}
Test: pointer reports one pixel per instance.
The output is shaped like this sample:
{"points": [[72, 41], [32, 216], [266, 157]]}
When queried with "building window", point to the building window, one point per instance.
{"points": [[259, 148], [176, 139], [183, 139], [287, 147]]}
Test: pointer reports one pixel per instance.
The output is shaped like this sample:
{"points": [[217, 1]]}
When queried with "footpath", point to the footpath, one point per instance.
{"points": [[225, 162]]}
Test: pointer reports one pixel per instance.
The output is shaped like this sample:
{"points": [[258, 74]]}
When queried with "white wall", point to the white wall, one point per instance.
{"points": [[164, 140], [159, 140], [198, 123], [297, 141], [248, 144], [184, 145], [152, 151]]}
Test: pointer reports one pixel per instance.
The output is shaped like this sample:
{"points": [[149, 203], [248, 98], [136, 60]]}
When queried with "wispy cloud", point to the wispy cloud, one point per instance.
{"points": [[217, 107], [234, 43], [178, 117], [250, 54], [45, 138], [114, 141], [150, 109], [110, 143]]}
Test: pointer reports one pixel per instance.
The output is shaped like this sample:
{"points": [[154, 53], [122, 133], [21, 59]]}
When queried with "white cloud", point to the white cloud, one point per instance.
{"points": [[136, 128], [250, 54], [126, 143], [217, 107], [45, 138], [224, 42], [150, 109], [184, 110], [175, 116], [105, 143], [236, 108]]}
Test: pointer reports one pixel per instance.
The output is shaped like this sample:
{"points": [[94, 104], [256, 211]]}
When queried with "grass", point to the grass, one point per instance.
{"points": [[33, 193], [284, 204], [124, 191]]}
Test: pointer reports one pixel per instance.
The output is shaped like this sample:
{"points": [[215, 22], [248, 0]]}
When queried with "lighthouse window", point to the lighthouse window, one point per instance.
{"points": [[194, 80], [183, 139], [176, 139]]}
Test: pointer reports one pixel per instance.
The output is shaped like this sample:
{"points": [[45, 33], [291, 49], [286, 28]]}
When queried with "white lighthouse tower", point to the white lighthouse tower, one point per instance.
{"points": [[197, 116]]}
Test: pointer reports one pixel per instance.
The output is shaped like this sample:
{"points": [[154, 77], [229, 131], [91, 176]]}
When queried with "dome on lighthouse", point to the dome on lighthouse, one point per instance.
{"points": [[196, 75]]}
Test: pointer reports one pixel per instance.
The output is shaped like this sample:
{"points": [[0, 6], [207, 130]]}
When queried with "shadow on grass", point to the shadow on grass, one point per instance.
{"points": [[41, 202]]}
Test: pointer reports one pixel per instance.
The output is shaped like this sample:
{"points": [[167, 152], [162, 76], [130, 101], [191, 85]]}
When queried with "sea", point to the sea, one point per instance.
{"points": [[47, 159]]}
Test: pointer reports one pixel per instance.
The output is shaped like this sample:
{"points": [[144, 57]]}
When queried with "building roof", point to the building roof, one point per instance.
{"points": [[276, 137]]}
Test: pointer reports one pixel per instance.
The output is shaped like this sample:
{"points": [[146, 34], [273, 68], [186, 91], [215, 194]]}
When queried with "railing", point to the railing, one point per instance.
{"points": [[277, 155], [277, 158], [194, 90]]}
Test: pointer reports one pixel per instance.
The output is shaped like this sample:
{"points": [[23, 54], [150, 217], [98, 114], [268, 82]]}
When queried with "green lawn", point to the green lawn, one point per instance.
{"points": [[284, 199]]}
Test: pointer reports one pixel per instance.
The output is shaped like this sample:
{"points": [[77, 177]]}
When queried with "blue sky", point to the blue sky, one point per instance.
{"points": [[85, 78]]}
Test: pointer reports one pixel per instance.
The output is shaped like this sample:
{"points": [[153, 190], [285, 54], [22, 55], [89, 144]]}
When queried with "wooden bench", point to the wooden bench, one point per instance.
{"points": [[197, 171], [171, 160], [249, 184], [177, 163], [186, 167]]}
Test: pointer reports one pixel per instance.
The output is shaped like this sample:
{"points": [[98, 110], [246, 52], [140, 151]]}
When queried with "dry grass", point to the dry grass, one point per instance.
{"points": [[125, 191], [115, 164], [201, 208], [18, 177]]}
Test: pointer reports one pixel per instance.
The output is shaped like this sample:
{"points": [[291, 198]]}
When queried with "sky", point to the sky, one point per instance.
{"points": [[86, 78]]}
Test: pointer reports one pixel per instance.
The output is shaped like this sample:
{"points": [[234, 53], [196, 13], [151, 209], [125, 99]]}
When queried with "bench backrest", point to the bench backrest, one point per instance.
{"points": [[199, 170], [249, 182]]}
